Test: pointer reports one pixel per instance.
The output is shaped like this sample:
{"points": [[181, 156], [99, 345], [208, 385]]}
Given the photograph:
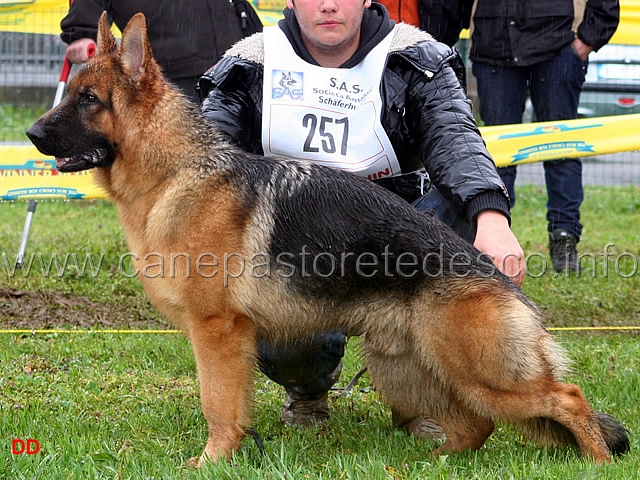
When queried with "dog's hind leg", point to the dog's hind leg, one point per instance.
{"points": [[398, 376], [413, 391], [558, 414], [490, 349], [550, 412], [224, 349], [464, 429]]}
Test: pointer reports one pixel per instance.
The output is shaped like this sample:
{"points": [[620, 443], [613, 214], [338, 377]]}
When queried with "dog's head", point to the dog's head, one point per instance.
{"points": [[82, 132], [287, 80]]}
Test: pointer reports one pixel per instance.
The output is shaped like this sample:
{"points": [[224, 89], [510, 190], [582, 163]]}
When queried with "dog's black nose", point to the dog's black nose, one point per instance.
{"points": [[35, 133]]}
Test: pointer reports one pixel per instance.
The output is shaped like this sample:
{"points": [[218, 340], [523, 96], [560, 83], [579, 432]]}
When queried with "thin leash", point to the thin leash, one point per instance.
{"points": [[344, 391], [256, 438]]}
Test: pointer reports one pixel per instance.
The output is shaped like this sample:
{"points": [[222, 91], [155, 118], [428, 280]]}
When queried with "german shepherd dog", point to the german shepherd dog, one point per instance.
{"points": [[233, 247]]}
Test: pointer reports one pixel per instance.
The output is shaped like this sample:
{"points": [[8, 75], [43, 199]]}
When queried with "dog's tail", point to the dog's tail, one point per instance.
{"points": [[615, 434], [549, 432]]}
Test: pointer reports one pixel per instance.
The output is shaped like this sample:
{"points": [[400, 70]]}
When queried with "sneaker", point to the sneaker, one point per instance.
{"points": [[420, 427], [305, 411], [562, 246]]}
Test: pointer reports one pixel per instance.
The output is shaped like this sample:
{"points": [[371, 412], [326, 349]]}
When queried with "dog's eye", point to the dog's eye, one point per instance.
{"points": [[89, 98]]}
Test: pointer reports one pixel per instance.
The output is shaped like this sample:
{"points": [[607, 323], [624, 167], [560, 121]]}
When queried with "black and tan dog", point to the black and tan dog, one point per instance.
{"points": [[233, 247]]}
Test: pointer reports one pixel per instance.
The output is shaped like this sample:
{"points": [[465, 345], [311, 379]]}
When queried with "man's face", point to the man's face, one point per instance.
{"points": [[329, 25]]}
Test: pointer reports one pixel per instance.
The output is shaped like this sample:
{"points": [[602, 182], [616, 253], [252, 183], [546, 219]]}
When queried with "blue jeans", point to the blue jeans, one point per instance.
{"points": [[554, 86], [305, 366]]}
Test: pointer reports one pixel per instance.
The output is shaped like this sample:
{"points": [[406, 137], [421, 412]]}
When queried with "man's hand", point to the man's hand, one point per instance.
{"points": [[495, 239], [81, 50], [582, 49]]}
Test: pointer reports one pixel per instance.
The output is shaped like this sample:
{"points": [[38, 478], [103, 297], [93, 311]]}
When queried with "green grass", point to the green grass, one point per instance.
{"points": [[605, 293], [14, 121], [65, 231], [126, 405]]}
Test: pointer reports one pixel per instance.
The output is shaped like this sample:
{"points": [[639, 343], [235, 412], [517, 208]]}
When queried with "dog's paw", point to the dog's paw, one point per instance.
{"points": [[197, 462]]}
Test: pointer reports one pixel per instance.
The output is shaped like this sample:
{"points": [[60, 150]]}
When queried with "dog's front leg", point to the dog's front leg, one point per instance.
{"points": [[225, 350]]}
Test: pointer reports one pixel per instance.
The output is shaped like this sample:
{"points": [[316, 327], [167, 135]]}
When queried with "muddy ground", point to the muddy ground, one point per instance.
{"points": [[37, 310]]}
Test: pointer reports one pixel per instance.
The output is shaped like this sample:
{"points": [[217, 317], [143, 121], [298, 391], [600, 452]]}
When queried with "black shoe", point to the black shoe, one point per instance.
{"points": [[562, 246], [305, 409]]}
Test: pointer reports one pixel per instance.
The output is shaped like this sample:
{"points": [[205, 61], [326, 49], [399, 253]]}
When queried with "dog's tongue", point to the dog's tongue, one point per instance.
{"points": [[60, 162]]}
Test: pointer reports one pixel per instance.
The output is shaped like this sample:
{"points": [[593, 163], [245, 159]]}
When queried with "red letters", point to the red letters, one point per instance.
{"points": [[30, 447]]}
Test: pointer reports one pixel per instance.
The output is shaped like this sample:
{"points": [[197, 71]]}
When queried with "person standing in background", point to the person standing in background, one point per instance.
{"points": [[541, 47], [443, 19], [187, 36]]}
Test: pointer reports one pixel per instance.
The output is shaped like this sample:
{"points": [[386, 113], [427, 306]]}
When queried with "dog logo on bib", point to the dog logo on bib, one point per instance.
{"points": [[287, 84]]}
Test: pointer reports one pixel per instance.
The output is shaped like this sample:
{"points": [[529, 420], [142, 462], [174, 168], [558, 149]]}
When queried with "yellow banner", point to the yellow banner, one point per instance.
{"points": [[269, 11], [32, 16], [536, 142], [627, 32], [26, 174], [44, 16]]}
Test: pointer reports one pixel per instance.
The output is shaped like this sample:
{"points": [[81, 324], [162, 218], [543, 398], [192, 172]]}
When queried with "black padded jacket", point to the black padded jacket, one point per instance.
{"points": [[425, 111]]}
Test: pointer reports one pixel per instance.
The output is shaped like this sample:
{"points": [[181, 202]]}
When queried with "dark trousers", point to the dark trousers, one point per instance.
{"points": [[554, 86], [305, 367]]}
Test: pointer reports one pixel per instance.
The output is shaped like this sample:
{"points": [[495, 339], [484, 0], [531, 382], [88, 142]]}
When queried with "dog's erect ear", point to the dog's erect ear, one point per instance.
{"points": [[106, 41], [135, 51]]}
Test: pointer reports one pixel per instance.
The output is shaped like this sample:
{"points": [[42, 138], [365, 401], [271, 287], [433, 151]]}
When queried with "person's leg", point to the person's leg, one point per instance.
{"points": [[555, 92], [501, 96], [307, 368]]}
